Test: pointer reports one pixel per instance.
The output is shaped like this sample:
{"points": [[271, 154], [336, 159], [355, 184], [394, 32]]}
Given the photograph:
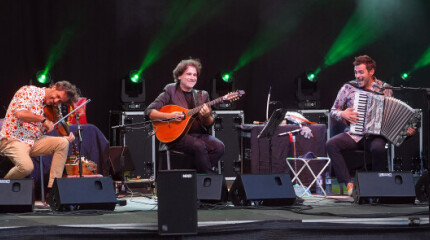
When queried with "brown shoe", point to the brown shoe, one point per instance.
{"points": [[349, 188]]}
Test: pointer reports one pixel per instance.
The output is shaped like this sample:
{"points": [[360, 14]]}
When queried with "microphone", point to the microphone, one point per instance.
{"points": [[383, 87], [377, 86]]}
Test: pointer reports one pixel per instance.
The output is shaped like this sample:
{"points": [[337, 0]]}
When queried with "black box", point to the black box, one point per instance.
{"points": [[94, 193], [16, 196], [262, 189], [225, 130], [384, 187], [177, 202], [138, 138]]}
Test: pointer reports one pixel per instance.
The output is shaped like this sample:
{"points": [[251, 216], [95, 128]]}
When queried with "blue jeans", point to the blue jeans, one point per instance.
{"points": [[375, 145], [206, 150]]}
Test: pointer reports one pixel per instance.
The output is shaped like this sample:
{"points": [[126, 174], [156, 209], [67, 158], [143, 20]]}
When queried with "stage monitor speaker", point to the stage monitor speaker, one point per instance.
{"points": [[87, 193], [17, 195], [177, 202], [384, 187], [262, 189], [211, 188], [422, 187]]}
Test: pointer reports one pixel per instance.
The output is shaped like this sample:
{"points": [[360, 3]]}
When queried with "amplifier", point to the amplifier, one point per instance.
{"points": [[137, 137], [225, 130]]}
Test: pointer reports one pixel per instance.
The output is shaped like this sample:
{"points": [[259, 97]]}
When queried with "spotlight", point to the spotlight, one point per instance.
{"points": [[307, 93], [311, 77], [133, 91], [42, 79], [222, 84], [405, 76], [227, 77], [135, 77]]}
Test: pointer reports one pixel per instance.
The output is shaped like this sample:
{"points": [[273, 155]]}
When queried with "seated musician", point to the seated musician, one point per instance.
{"points": [[22, 134], [364, 69], [206, 149]]}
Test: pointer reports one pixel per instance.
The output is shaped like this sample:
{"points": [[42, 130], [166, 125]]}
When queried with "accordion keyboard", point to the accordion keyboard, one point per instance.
{"points": [[360, 106]]}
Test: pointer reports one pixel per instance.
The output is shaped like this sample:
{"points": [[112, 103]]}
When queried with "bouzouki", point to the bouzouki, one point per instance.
{"points": [[170, 131]]}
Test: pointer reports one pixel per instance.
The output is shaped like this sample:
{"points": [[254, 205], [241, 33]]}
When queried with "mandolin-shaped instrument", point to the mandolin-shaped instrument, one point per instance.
{"points": [[171, 131]]}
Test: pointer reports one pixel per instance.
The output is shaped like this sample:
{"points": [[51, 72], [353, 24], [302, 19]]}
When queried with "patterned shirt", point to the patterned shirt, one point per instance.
{"points": [[28, 98], [345, 99]]}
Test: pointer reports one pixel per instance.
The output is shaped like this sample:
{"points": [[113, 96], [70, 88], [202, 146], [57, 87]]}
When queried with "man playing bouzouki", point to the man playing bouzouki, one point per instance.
{"points": [[206, 149]]}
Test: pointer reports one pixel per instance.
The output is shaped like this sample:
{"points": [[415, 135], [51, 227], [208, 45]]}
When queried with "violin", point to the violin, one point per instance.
{"points": [[53, 114]]}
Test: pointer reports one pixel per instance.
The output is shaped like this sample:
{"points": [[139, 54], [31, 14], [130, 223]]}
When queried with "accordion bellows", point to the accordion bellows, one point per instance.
{"points": [[385, 116]]}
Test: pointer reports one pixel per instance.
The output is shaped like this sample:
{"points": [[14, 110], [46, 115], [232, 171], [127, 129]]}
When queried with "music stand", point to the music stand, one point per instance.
{"points": [[270, 128]]}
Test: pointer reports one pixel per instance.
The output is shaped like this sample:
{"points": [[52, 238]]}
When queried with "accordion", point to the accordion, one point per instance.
{"points": [[385, 116]]}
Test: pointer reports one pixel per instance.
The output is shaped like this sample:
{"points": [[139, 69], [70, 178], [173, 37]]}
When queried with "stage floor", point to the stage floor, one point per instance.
{"points": [[139, 217]]}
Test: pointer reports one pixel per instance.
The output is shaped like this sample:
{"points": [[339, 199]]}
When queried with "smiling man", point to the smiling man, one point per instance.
{"points": [[364, 70], [22, 134], [206, 149]]}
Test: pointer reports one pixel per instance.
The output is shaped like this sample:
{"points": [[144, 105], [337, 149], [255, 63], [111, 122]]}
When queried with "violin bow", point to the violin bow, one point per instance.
{"points": [[61, 119]]}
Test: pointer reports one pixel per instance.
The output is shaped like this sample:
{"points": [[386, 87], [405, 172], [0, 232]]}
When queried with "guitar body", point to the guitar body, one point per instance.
{"points": [[168, 132]]}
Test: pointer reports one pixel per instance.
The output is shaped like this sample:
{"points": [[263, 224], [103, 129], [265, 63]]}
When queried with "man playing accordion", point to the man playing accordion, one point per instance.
{"points": [[364, 69]]}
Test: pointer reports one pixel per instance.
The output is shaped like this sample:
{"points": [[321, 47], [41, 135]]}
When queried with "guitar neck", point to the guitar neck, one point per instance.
{"points": [[197, 109]]}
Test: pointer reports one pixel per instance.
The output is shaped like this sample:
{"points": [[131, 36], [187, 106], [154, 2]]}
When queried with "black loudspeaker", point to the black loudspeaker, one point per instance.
{"points": [[96, 193], [422, 187], [264, 189], [224, 128], [177, 202], [211, 188], [384, 187], [138, 138], [16, 196]]}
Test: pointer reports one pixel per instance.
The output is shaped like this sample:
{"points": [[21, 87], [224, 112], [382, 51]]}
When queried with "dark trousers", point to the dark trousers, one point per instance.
{"points": [[375, 146], [206, 150]]}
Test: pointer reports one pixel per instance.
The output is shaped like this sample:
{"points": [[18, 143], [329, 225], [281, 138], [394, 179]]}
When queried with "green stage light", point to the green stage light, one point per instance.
{"points": [[405, 76], [43, 77], [135, 76], [226, 77], [311, 77]]}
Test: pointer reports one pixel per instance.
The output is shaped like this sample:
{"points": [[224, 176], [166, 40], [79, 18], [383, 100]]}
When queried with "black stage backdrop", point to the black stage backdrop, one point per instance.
{"points": [[108, 38]]}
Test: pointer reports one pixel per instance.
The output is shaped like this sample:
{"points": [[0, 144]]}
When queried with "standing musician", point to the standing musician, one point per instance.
{"points": [[206, 149], [24, 125], [342, 110]]}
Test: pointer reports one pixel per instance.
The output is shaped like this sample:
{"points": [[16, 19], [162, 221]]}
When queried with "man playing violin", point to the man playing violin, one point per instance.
{"points": [[22, 134], [206, 149]]}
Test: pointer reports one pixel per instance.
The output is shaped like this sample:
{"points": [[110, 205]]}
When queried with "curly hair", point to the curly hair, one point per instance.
{"points": [[366, 60], [182, 66], [70, 89]]}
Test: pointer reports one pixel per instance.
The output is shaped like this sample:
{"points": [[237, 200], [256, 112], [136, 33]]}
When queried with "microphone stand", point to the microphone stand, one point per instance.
{"points": [[122, 132], [79, 143], [293, 140]]}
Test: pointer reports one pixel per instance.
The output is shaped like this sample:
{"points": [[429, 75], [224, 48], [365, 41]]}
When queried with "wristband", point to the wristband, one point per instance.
{"points": [[43, 121]]}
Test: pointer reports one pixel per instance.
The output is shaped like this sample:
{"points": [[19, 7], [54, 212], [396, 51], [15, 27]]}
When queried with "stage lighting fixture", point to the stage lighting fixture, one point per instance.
{"points": [[405, 76], [133, 91], [222, 84], [307, 94], [41, 79]]}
